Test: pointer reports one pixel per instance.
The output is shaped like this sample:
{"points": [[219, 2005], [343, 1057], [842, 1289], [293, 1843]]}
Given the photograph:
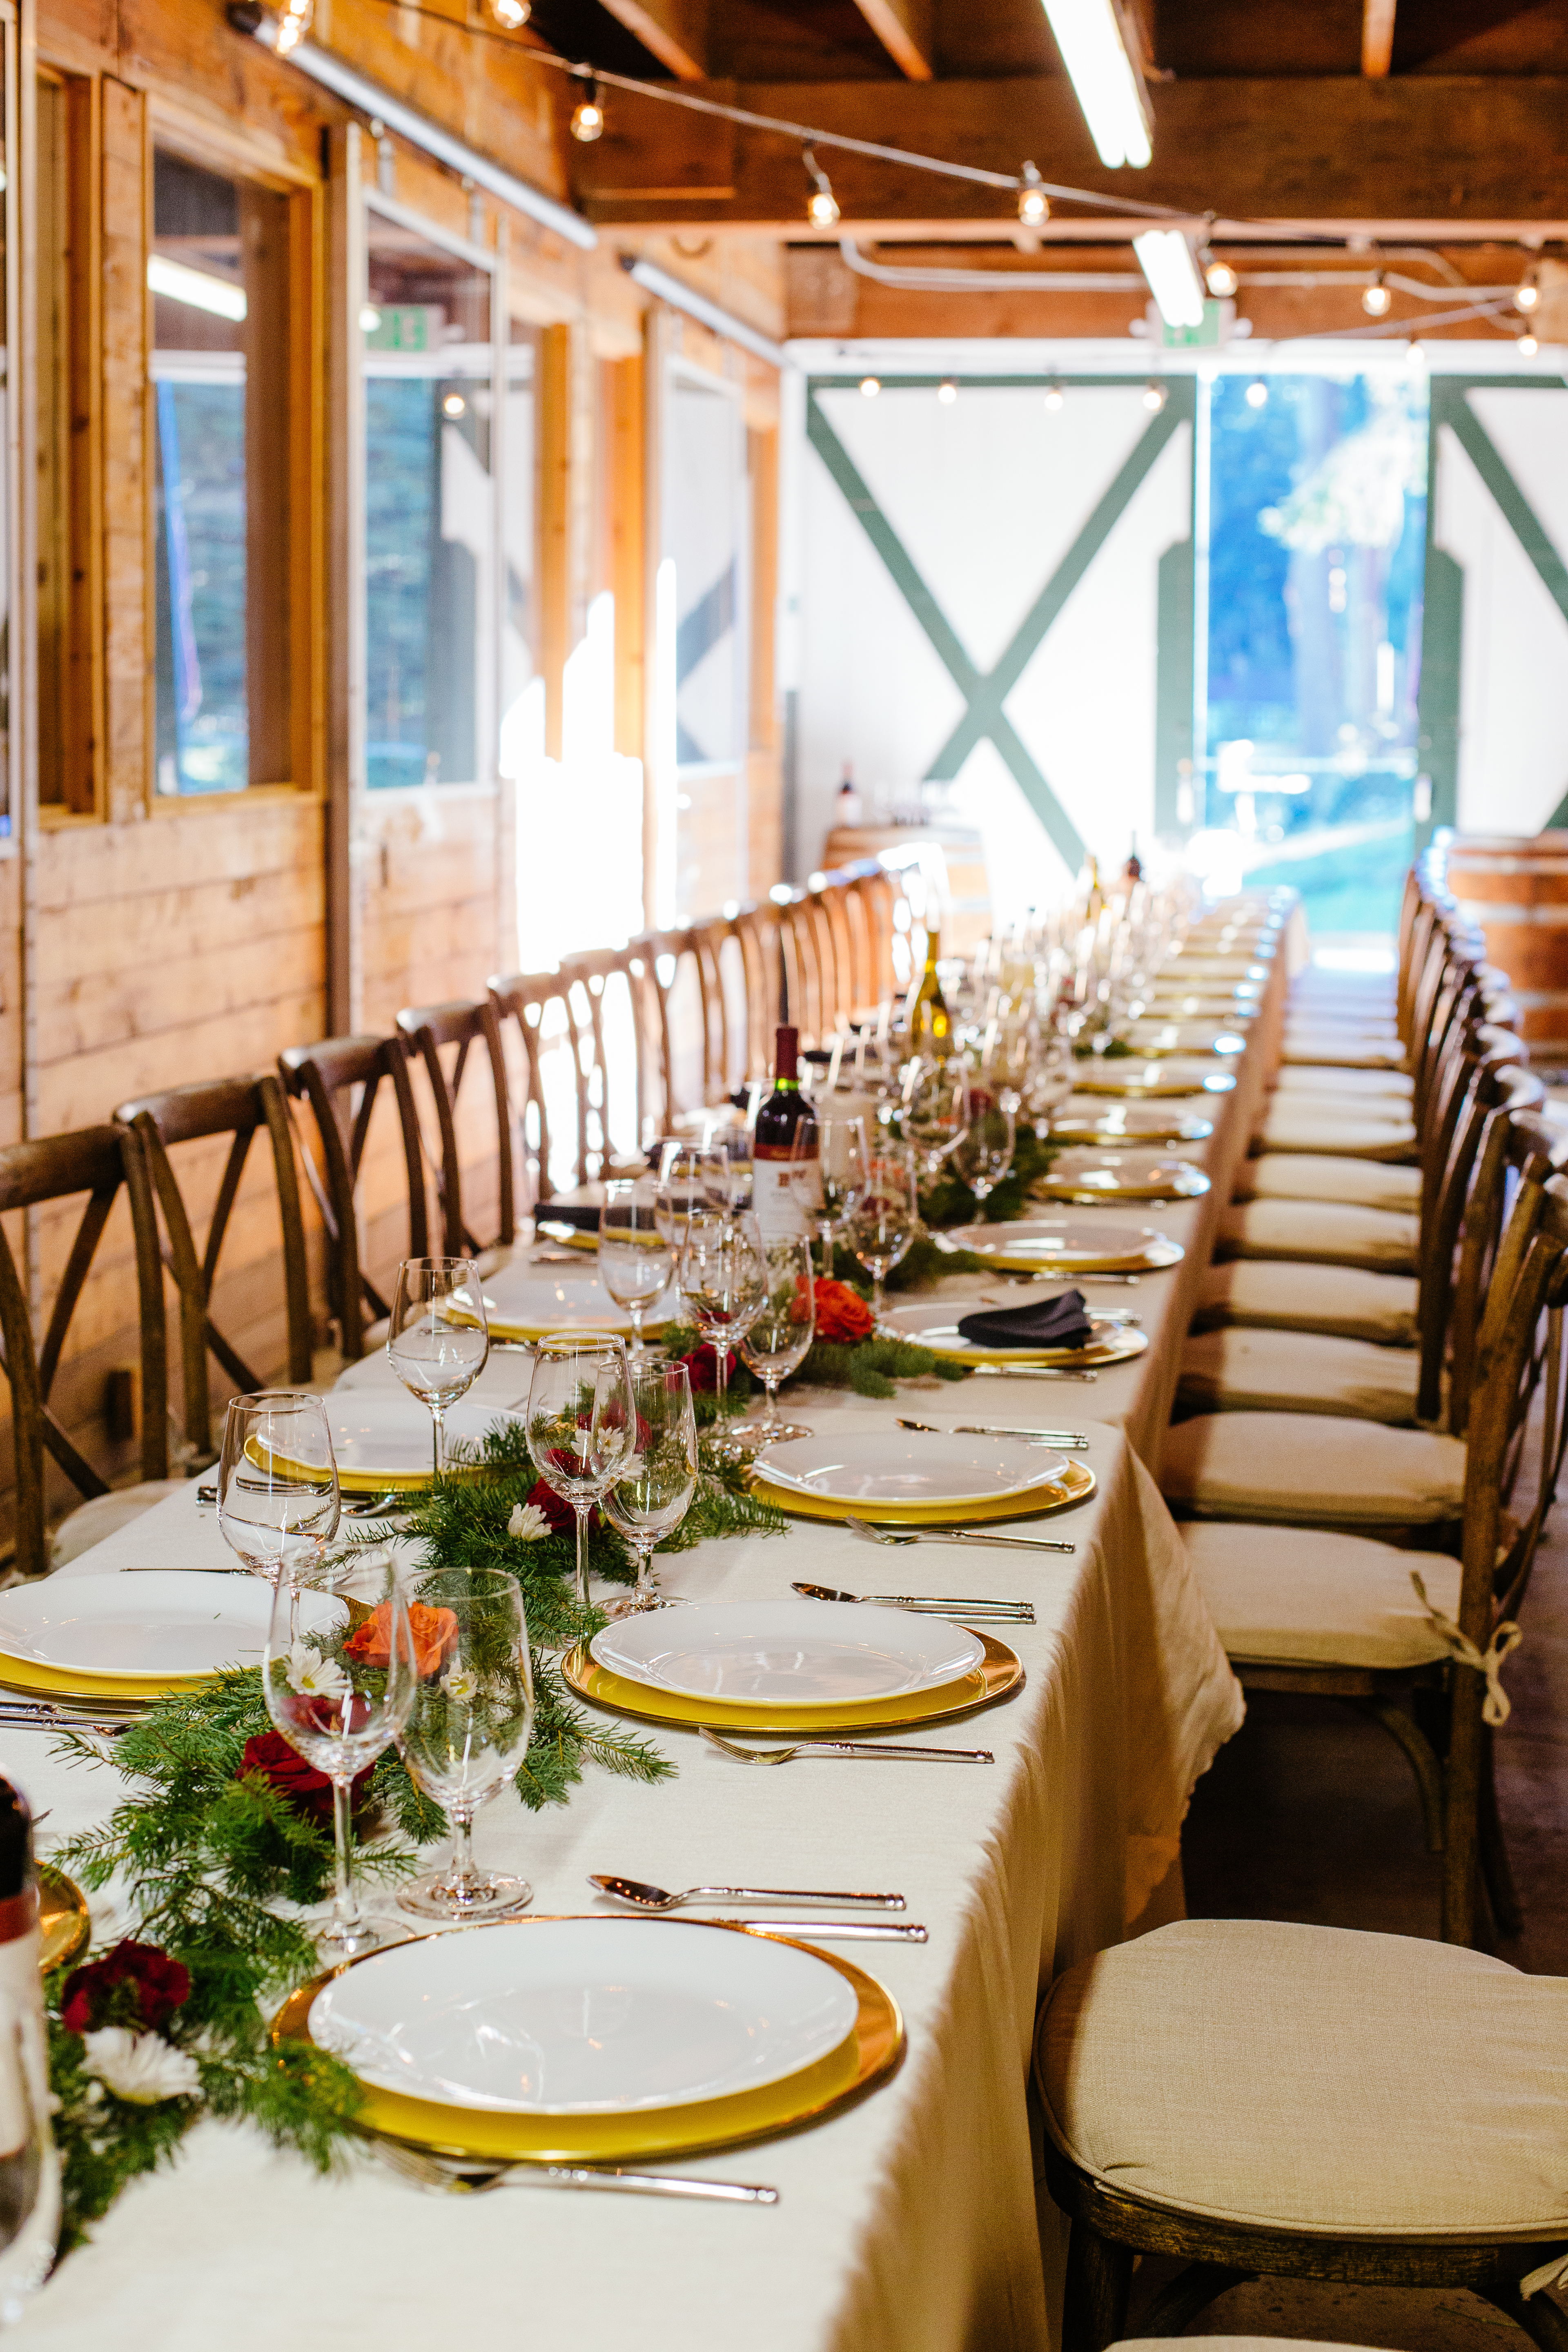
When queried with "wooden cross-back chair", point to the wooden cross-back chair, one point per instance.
{"points": [[589, 983], [723, 1067], [327, 1077], [525, 999], [757, 931], [240, 1108], [432, 1030], [681, 1025]]}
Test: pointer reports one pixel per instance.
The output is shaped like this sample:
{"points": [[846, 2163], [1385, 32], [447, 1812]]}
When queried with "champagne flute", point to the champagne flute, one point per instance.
{"points": [[580, 1424], [984, 1152], [888, 1218], [468, 1727], [339, 1671], [842, 1149], [277, 1498], [438, 1336], [653, 1493], [636, 1259], [780, 1337], [723, 1280]]}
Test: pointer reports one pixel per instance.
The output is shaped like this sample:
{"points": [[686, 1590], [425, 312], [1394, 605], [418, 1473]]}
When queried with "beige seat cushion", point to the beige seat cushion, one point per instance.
{"points": [[1279, 1295], [1333, 1233], [1306, 1597], [1314, 1470], [1346, 1086], [1308, 1176], [1314, 2079], [105, 1515], [1232, 2344], [1349, 1047], [1306, 1123], [1242, 1371]]}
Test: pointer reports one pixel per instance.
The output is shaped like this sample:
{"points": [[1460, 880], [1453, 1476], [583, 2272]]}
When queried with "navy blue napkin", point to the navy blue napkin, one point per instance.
{"points": [[1061, 1322]]}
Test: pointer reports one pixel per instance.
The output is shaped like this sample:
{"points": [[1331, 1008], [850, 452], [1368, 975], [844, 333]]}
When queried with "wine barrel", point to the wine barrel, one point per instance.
{"points": [[1515, 888]]}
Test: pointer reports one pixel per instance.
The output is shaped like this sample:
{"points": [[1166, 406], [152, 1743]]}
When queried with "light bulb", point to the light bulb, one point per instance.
{"points": [[511, 13], [369, 319], [1220, 280], [869, 387], [1417, 354], [588, 118], [1527, 346], [947, 392], [454, 404], [1155, 397], [1054, 397], [1375, 298], [1258, 394], [1527, 295], [1034, 205], [822, 205], [293, 23]]}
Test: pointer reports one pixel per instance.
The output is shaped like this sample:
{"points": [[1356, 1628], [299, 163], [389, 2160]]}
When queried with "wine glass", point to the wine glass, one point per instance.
{"points": [[636, 1259], [935, 1109], [653, 1493], [984, 1152], [780, 1337], [438, 1336], [887, 1218], [678, 1191], [342, 1665], [723, 1280], [726, 1172], [842, 1150], [580, 1424], [277, 1498], [467, 1730]]}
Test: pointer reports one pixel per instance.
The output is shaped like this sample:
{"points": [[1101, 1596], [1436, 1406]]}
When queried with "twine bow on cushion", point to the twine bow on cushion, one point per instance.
{"points": [[1552, 2273], [1495, 1708]]}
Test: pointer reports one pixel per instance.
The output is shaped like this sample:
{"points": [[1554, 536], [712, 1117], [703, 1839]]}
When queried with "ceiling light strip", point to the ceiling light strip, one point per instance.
{"points": [[656, 281]]}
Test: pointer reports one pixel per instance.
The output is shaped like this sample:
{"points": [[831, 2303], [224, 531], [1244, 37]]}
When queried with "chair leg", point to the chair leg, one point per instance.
{"points": [[1462, 1811], [1507, 1913], [1190, 2292], [1543, 2320], [1098, 2283], [1403, 1728]]}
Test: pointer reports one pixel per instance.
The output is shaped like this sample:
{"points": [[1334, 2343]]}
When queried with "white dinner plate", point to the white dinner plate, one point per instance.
{"points": [[1104, 1172], [382, 1438], [874, 1466], [1131, 1075], [936, 1328], [800, 1653], [582, 2017], [524, 1302], [1114, 1124], [163, 1622], [1075, 1244], [1211, 1004], [1159, 1037]]}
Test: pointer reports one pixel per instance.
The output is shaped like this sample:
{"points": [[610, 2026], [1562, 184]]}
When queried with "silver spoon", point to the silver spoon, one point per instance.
{"points": [[1071, 1438], [473, 2180], [643, 1897], [1011, 1612], [888, 1750], [868, 1533]]}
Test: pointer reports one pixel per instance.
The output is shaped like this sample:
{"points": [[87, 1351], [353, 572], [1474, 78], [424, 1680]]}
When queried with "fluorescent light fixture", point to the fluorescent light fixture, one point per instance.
{"points": [[1166, 261], [654, 280], [1109, 87], [197, 287]]}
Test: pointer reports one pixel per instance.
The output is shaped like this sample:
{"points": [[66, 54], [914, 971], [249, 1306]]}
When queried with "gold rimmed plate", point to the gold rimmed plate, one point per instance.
{"points": [[1130, 1126], [1139, 1076], [998, 1676], [936, 1328], [1106, 1175], [500, 1985], [1071, 1486], [64, 1924], [1046, 1244], [1157, 1039]]}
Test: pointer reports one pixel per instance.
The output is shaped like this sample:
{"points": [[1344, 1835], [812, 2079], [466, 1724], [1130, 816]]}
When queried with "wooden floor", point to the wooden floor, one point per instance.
{"points": [[1312, 1815]]}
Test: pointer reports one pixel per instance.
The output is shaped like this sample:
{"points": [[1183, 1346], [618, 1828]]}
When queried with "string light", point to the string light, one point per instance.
{"points": [[454, 404], [512, 15], [1526, 295], [1526, 345], [1034, 205], [1375, 298], [1258, 394], [1220, 280], [1154, 398], [1056, 398], [294, 21], [1417, 353], [869, 387], [947, 392], [588, 116], [822, 206]]}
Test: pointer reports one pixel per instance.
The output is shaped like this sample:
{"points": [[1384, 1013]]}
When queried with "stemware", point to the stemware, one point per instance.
{"points": [[467, 1730], [780, 1337], [277, 1498], [723, 1280], [887, 1219], [438, 1336], [677, 1189], [581, 1427], [841, 1146], [635, 1258], [935, 1110], [653, 1492], [341, 1668], [726, 1173], [984, 1152]]}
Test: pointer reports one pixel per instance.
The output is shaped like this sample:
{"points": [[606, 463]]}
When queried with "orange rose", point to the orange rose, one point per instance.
{"points": [[435, 1632], [841, 1313]]}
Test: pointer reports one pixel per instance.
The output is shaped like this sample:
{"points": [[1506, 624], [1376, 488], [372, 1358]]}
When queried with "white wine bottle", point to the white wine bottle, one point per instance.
{"points": [[926, 1016]]}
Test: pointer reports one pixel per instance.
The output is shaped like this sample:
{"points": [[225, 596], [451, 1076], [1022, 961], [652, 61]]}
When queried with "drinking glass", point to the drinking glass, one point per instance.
{"points": [[468, 1727], [278, 1496], [653, 1493], [888, 1217], [726, 1172], [677, 1189], [935, 1109], [841, 1144], [723, 1280], [438, 1336], [581, 1429], [984, 1152], [780, 1337], [636, 1259], [340, 1669]]}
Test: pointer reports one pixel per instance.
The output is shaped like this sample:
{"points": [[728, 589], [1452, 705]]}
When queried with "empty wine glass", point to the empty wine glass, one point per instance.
{"points": [[887, 1216], [438, 1336], [580, 1424], [636, 1259], [984, 1152], [841, 1144], [277, 1498], [653, 1492], [726, 1172], [935, 1109], [339, 1671], [780, 1337], [467, 1730], [723, 1280], [677, 1189]]}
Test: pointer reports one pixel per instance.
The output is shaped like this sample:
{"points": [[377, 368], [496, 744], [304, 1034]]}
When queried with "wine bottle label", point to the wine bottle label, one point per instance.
{"points": [[786, 1195]]}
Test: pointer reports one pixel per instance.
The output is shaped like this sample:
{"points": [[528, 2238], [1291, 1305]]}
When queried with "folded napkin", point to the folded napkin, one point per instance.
{"points": [[1060, 1322]]}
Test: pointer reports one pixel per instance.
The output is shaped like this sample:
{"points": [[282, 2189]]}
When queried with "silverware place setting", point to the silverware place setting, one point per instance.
{"points": [[1027, 1373], [1071, 1441], [885, 1751], [643, 1897], [1009, 1612], [102, 1723], [869, 1534], [463, 2179]]}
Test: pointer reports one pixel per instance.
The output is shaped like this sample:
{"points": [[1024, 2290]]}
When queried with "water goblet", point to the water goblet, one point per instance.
{"points": [[581, 1427], [277, 1498], [779, 1338], [984, 1152], [723, 1280], [339, 1671], [636, 1259], [841, 1146], [653, 1493], [438, 1336], [888, 1217], [467, 1730]]}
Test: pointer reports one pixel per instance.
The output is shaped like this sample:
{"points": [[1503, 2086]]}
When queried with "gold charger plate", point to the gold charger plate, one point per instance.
{"points": [[1138, 1075], [1157, 1253], [999, 1674], [1074, 1484], [867, 2056], [55, 1682], [1163, 1126], [1119, 1348], [1189, 1183], [64, 1924]]}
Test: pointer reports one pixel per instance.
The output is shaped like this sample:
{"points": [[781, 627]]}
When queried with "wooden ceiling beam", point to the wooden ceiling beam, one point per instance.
{"points": [[674, 31], [1377, 38], [1449, 152], [904, 27]]}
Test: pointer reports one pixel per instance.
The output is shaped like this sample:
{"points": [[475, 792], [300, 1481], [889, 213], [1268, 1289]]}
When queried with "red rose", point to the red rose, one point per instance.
{"points": [[557, 1510], [270, 1756], [842, 1313], [703, 1365], [158, 1984]]}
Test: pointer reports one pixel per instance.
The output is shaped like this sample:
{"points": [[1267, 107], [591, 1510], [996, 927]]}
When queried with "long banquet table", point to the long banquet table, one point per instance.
{"points": [[911, 2222]]}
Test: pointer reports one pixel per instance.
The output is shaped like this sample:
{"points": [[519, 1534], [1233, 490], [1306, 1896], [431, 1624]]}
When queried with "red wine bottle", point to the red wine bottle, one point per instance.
{"points": [[786, 1153]]}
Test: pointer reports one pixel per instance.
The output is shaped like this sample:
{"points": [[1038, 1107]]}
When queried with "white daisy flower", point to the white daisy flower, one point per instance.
{"points": [[461, 1683], [313, 1676], [528, 1523], [141, 2067]]}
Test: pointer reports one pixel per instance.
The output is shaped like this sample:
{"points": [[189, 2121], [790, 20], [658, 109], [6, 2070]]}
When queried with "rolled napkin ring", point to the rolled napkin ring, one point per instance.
{"points": [[1496, 1708]]}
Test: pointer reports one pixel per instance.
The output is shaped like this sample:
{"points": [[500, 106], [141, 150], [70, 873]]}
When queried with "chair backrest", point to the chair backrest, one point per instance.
{"points": [[236, 1107], [526, 999], [454, 1029], [757, 930], [592, 983], [56, 1168], [327, 1077], [1469, 1193], [723, 1038]]}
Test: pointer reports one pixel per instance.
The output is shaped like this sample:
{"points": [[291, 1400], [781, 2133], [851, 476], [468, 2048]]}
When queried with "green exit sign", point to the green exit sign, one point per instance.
{"points": [[1191, 339], [405, 327]]}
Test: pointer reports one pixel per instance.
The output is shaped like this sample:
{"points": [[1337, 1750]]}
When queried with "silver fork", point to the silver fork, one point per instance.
{"points": [[868, 1533], [460, 2178], [885, 1749], [1073, 1439]]}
